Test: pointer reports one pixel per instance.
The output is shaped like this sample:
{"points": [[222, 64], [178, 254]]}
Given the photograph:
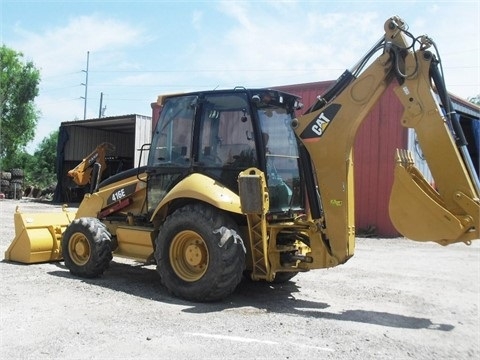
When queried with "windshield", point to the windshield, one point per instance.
{"points": [[281, 154]]}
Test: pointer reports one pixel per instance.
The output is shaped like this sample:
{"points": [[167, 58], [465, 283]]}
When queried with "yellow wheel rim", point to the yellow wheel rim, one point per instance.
{"points": [[189, 255], [79, 249]]}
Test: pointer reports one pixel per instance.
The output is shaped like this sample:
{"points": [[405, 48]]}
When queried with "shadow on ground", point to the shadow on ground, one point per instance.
{"points": [[144, 282]]}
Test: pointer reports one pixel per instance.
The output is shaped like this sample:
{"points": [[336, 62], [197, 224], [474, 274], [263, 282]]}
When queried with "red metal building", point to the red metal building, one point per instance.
{"points": [[377, 139]]}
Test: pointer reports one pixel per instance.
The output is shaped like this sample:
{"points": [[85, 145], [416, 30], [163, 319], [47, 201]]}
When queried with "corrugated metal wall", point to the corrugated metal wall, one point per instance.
{"points": [[83, 140], [143, 135], [377, 139]]}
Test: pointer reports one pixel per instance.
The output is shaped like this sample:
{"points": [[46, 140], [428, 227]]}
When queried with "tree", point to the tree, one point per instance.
{"points": [[42, 171], [18, 116]]}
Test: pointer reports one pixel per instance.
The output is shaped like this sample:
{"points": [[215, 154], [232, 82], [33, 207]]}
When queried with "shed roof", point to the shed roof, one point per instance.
{"points": [[465, 107], [121, 124]]}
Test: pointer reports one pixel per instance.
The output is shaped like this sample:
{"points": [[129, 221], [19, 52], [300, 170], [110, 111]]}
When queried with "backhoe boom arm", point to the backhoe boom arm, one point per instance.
{"points": [[447, 214], [82, 173]]}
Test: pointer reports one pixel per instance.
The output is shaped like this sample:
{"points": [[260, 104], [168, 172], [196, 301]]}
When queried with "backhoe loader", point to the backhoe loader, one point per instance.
{"points": [[236, 184]]}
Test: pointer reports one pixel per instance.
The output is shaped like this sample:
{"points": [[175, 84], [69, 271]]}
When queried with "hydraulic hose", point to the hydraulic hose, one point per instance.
{"points": [[453, 120]]}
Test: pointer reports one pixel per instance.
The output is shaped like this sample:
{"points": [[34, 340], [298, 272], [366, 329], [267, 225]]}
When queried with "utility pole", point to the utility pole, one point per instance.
{"points": [[101, 110], [86, 88]]}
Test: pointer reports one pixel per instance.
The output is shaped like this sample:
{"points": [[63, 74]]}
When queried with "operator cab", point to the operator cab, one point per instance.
{"points": [[221, 133]]}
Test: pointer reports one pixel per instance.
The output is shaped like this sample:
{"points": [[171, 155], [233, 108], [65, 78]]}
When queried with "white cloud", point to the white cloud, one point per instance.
{"points": [[63, 49], [296, 42], [60, 53], [266, 47], [227, 44]]}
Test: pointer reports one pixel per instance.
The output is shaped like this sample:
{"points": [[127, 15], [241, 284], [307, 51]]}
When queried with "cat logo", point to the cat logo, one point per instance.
{"points": [[321, 124], [318, 126]]}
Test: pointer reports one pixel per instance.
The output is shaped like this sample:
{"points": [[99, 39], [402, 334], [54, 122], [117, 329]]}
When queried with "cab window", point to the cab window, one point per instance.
{"points": [[226, 143], [226, 132], [172, 140]]}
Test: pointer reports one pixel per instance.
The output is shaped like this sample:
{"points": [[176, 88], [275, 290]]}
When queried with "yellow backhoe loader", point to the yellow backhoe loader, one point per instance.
{"points": [[237, 184]]}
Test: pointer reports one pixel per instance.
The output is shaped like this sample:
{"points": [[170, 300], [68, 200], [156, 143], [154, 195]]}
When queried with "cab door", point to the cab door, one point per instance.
{"points": [[171, 151], [225, 141]]}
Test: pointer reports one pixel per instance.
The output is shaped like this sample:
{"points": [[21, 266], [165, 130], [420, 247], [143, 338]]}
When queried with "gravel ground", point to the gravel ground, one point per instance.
{"points": [[395, 299]]}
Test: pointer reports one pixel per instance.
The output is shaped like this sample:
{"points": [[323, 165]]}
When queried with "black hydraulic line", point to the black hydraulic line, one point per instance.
{"points": [[311, 186], [342, 82], [95, 177], [454, 123], [452, 116], [346, 78]]}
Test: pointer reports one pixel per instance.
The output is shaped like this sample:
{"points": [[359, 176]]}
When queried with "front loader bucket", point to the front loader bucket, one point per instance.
{"points": [[37, 237]]}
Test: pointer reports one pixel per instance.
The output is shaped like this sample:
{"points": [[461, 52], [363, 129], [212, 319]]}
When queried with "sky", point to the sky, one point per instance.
{"points": [[137, 50]]}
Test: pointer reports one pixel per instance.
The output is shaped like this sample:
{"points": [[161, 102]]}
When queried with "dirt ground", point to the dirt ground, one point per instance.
{"points": [[395, 299]]}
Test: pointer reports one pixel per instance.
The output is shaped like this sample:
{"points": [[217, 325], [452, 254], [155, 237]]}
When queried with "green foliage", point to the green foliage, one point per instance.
{"points": [[19, 82], [18, 116], [41, 171]]}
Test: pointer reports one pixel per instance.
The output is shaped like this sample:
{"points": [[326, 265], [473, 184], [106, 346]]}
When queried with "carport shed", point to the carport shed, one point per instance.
{"points": [[77, 139]]}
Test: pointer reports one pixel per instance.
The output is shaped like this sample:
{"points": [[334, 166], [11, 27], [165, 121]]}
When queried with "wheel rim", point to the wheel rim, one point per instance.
{"points": [[79, 249], [189, 255]]}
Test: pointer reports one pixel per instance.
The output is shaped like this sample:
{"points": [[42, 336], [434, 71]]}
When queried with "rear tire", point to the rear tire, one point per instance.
{"points": [[200, 255], [86, 247]]}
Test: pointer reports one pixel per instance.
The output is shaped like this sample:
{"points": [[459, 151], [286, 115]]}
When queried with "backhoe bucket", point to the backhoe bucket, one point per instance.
{"points": [[419, 213], [37, 237]]}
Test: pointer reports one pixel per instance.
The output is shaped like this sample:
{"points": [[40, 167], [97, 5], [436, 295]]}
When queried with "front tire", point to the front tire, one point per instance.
{"points": [[200, 254], [87, 247]]}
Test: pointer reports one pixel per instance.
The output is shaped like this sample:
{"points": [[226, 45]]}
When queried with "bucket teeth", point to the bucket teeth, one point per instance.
{"points": [[404, 158]]}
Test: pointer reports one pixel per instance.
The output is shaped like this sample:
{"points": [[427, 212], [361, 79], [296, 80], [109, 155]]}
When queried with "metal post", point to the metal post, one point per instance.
{"points": [[100, 108]]}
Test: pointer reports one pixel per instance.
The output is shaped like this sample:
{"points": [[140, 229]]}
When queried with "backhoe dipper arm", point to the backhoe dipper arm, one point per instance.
{"points": [[328, 129], [82, 173]]}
